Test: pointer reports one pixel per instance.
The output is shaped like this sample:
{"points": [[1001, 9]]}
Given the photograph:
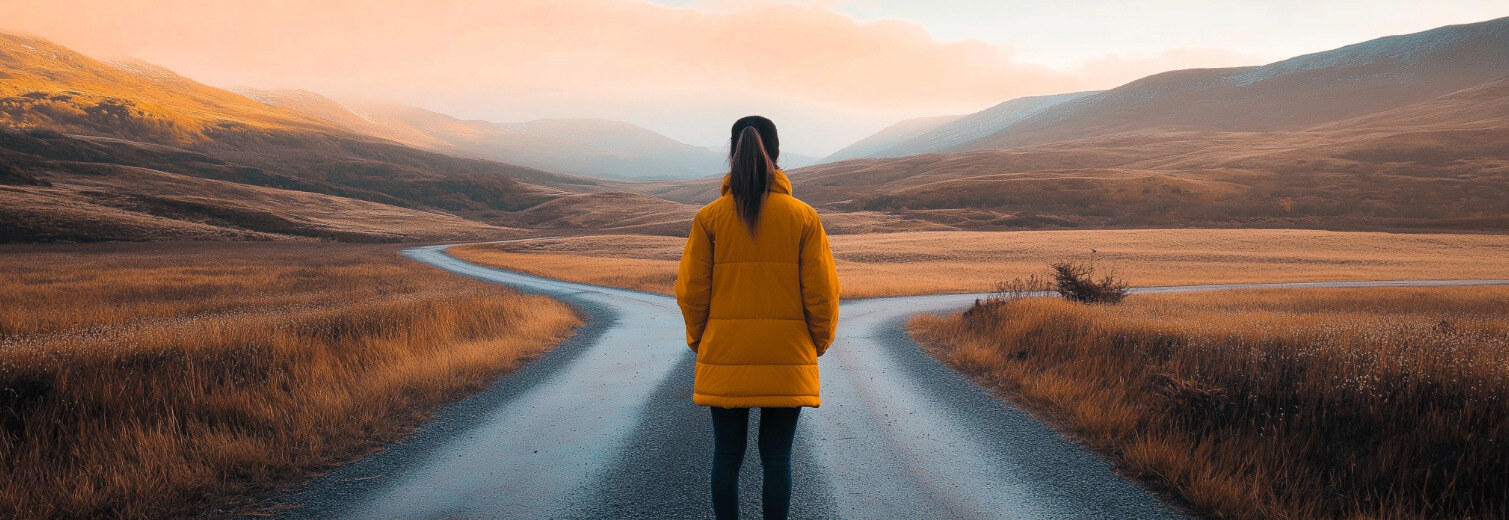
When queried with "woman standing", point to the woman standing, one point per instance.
{"points": [[759, 292]]}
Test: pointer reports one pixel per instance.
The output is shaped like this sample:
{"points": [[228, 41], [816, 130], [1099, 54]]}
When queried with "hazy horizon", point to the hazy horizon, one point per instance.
{"points": [[829, 72]]}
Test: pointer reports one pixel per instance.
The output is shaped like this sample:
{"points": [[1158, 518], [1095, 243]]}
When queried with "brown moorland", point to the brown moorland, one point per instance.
{"points": [[169, 380], [890, 264], [1401, 163], [1440, 164], [86, 201], [1290, 94], [1328, 403], [63, 114], [1350, 81]]}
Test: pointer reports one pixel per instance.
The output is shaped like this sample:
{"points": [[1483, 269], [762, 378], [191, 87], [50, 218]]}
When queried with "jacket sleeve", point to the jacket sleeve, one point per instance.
{"points": [[694, 282], [819, 285]]}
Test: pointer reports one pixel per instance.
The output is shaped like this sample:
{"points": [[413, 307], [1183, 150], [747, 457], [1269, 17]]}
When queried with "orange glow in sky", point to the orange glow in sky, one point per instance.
{"points": [[826, 77]]}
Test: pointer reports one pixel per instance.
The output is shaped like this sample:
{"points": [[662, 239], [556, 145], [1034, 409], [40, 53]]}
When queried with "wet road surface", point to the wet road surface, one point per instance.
{"points": [[603, 427]]}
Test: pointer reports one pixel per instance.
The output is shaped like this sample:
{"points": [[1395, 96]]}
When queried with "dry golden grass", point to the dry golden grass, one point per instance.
{"points": [[890, 264], [1329, 403], [115, 202], [176, 380]]}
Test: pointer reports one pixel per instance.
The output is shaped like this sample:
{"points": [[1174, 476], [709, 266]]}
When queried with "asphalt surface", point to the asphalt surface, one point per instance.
{"points": [[603, 427]]}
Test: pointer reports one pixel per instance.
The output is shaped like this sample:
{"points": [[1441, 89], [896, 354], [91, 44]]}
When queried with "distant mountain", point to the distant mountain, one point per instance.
{"points": [[1438, 164], [592, 147], [961, 130], [613, 149], [46, 85], [1409, 161], [1295, 93], [176, 158], [888, 137], [330, 112], [791, 161]]}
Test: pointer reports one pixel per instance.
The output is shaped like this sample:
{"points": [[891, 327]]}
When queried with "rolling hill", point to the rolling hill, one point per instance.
{"points": [[1439, 164], [876, 145], [1398, 133], [959, 130], [67, 115], [1292, 94], [589, 147], [1401, 133], [50, 197]]}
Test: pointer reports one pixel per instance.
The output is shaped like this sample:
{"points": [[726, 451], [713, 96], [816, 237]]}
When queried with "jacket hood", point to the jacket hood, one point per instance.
{"points": [[779, 183]]}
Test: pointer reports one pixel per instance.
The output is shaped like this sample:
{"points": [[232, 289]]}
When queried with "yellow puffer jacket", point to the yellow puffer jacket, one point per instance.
{"points": [[759, 309]]}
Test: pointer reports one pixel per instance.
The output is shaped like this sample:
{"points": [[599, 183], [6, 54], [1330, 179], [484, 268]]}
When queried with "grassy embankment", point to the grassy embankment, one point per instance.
{"points": [[177, 380], [890, 264], [1328, 403]]}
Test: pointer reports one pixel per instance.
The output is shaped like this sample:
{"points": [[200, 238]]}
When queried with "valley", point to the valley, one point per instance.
{"points": [[1387, 154], [276, 302]]}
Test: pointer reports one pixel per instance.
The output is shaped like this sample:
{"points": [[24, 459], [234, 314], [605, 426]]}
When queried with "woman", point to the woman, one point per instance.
{"points": [[759, 293]]}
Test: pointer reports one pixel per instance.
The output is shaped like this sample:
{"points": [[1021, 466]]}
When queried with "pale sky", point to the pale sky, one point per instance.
{"points": [[828, 72]]}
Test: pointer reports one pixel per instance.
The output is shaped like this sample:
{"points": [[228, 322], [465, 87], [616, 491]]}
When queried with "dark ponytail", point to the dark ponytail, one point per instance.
{"points": [[751, 158]]}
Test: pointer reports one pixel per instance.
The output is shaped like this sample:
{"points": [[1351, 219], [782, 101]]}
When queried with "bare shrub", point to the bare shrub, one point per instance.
{"points": [[1076, 282], [1029, 287]]}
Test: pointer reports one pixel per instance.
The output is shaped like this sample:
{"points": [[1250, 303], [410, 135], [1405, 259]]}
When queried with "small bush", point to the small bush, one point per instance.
{"points": [[1076, 282], [1016, 289], [1029, 287]]}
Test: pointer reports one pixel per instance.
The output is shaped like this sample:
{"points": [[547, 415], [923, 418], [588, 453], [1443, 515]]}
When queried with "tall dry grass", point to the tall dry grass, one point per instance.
{"points": [[178, 380], [1366, 403]]}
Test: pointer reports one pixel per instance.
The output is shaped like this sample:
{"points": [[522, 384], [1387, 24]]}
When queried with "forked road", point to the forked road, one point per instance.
{"points": [[604, 427]]}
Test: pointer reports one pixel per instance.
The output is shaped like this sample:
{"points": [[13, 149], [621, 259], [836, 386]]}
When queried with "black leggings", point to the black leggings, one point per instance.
{"points": [[730, 434]]}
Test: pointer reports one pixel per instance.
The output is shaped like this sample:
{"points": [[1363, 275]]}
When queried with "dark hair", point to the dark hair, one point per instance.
{"points": [[767, 134], [752, 153]]}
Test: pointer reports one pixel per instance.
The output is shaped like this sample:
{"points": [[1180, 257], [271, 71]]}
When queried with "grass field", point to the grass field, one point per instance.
{"points": [[1328, 403], [166, 380], [888, 264]]}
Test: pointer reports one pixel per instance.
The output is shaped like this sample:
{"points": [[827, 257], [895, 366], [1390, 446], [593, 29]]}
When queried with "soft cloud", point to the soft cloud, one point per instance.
{"points": [[683, 71]]}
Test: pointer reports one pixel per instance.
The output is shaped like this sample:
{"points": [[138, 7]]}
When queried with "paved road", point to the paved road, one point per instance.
{"points": [[603, 427]]}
